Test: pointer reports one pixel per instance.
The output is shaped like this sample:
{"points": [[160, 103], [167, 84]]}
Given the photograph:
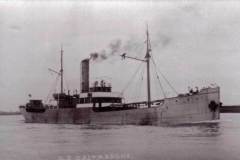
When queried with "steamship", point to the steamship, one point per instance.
{"points": [[97, 104]]}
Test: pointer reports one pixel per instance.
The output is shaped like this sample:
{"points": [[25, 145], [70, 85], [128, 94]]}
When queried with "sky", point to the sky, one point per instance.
{"points": [[193, 44]]}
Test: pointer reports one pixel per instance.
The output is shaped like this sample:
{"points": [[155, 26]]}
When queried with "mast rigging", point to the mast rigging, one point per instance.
{"points": [[147, 60]]}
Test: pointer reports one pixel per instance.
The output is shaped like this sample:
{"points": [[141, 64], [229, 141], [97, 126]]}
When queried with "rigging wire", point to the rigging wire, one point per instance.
{"points": [[139, 86], [156, 68], [159, 82], [52, 88], [170, 85], [160, 86], [141, 82], [66, 83], [131, 79], [132, 92]]}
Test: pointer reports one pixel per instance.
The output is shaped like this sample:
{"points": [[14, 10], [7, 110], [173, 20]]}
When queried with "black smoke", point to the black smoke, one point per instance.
{"points": [[113, 49], [131, 46]]}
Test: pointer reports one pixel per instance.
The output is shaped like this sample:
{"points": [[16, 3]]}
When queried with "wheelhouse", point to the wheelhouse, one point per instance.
{"points": [[100, 96]]}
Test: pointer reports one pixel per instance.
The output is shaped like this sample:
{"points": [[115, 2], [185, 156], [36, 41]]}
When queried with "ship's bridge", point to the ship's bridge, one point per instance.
{"points": [[100, 94], [101, 97], [101, 86]]}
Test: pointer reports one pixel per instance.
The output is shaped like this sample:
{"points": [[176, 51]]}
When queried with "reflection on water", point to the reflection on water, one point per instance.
{"points": [[215, 140], [209, 129]]}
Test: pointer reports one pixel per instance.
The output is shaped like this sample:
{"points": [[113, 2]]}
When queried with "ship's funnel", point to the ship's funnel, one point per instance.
{"points": [[85, 75]]}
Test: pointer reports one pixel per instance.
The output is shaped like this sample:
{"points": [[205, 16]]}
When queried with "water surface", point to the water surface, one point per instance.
{"points": [[26, 141]]}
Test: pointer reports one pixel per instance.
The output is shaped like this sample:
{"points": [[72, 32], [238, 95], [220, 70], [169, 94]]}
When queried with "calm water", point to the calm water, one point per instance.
{"points": [[213, 141]]}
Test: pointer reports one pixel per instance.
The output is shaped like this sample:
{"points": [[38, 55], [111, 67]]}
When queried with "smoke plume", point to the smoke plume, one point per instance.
{"points": [[113, 49], [131, 46]]}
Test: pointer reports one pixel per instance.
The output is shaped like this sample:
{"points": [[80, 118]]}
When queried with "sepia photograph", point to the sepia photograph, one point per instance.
{"points": [[119, 80]]}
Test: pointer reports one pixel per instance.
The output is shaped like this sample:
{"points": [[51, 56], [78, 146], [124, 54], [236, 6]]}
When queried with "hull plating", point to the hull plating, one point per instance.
{"points": [[177, 110]]}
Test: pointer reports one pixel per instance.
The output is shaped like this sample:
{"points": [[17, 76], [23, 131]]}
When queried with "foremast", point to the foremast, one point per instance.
{"points": [[64, 100]]}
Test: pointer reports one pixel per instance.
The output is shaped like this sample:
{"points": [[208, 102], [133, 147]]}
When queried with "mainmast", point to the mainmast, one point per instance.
{"points": [[147, 57], [147, 60], [61, 70]]}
